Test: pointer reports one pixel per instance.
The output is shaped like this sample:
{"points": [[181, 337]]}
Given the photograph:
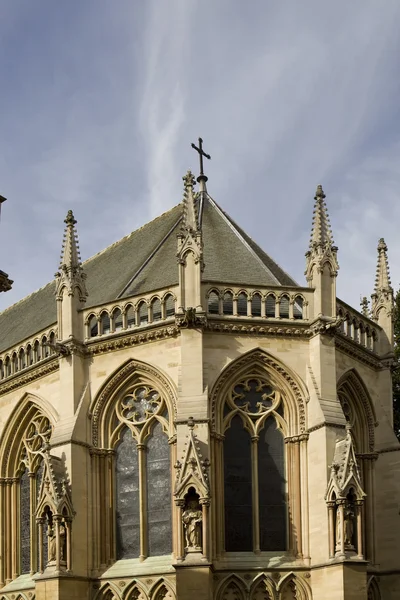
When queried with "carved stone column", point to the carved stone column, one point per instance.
{"points": [[205, 504], [360, 550], [40, 522], [180, 553], [331, 521]]}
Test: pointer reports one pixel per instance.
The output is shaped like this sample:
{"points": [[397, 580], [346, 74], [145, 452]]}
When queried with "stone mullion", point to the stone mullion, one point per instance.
{"points": [[8, 540], [103, 508], [205, 505], [289, 467], [360, 551], [40, 523], [297, 498], [110, 544], [2, 533], [304, 495], [180, 505], [107, 515], [331, 531], [213, 477], [141, 448], [33, 537], [255, 496], [15, 504], [176, 521]]}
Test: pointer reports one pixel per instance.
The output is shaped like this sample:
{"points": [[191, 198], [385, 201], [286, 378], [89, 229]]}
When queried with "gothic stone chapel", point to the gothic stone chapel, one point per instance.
{"points": [[179, 419]]}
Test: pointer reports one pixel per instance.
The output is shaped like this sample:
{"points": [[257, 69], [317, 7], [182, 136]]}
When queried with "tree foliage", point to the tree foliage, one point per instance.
{"points": [[396, 370]]}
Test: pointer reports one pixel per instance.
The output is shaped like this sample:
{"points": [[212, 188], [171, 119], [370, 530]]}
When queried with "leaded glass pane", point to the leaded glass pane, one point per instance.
{"points": [[272, 488], [117, 317], [169, 306], [130, 316], [284, 307], [270, 306], [39, 478], [105, 323], [237, 488], [227, 303], [242, 305], [256, 305], [25, 523], [127, 497], [298, 307], [156, 309], [159, 493], [213, 303]]}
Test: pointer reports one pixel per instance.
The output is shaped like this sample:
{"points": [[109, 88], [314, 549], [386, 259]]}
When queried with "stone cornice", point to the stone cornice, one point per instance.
{"points": [[357, 351], [287, 329], [126, 341], [46, 366], [325, 424]]}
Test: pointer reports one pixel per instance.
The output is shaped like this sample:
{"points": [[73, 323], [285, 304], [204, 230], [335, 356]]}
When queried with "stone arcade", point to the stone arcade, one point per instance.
{"points": [[180, 419]]}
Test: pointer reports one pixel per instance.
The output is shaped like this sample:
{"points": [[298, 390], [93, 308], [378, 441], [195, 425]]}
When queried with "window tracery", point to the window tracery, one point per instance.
{"points": [[254, 478]]}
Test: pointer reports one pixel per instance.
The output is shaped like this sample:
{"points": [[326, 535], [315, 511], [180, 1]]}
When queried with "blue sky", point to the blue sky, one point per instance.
{"points": [[100, 100]]}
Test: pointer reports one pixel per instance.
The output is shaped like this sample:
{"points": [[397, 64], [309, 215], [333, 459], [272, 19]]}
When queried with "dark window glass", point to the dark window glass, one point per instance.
{"points": [[159, 493], [272, 488], [169, 306], [228, 304], [127, 497], [93, 326], [130, 317], [284, 307], [156, 309], [213, 303], [25, 523], [117, 318], [242, 305], [270, 306], [298, 307], [256, 305], [237, 490], [143, 314], [105, 323]]}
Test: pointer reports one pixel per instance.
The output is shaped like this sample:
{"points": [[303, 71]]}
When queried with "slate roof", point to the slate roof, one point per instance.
{"points": [[145, 260]]}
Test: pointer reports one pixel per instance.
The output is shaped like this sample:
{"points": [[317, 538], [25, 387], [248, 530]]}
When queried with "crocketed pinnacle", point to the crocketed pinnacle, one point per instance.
{"points": [[321, 233], [190, 216], [71, 274], [382, 279]]}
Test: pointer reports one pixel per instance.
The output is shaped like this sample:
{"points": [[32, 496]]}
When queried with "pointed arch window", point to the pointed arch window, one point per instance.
{"points": [[213, 303], [156, 309], [256, 305], [105, 323], [227, 303], [298, 307], [254, 471], [270, 306], [242, 305], [93, 326], [37, 351], [284, 307], [138, 434], [143, 313], [117, 321], [169, 304], [130, 316]]}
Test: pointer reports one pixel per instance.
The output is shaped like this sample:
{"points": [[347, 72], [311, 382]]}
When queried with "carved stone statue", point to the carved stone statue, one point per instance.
{"points": [[192, 521], [62, 542], [51, 535], [348, 528]]}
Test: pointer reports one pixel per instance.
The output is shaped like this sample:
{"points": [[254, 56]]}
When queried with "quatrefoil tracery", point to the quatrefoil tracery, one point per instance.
{"points": [[139, 405]]}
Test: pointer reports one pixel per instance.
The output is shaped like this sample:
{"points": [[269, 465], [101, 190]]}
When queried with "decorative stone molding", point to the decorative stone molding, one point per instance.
{"points": [[287, 330], [125, 373], [265, 361], [126, 341], [354, 350], [35, 372]]}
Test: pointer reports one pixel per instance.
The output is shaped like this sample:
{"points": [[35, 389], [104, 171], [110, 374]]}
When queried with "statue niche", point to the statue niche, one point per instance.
{"points": [[192, 518]]}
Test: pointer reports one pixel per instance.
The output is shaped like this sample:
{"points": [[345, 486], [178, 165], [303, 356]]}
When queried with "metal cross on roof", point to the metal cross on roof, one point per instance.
{"points": [[201, 152]]}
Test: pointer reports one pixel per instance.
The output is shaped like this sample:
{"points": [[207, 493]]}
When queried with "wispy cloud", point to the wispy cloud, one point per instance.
{"points": [[99, 108]]}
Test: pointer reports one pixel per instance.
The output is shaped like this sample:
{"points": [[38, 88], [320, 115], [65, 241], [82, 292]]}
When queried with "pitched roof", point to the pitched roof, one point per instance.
{"points": [[145, 260]]}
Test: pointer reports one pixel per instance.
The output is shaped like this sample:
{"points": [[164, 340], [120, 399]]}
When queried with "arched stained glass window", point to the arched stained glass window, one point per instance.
{"points": [[213, 303], [156, 309], [159, 493], [237, 488], [298, 307], [105, 323], [130, 316], [270, 306], [242, 305], [143, 313], [25, 523], [254, 473], [127, 497], [169, 306], [117, 320], [284, 307], [227, 303], [256, 305], [142, 410]]}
